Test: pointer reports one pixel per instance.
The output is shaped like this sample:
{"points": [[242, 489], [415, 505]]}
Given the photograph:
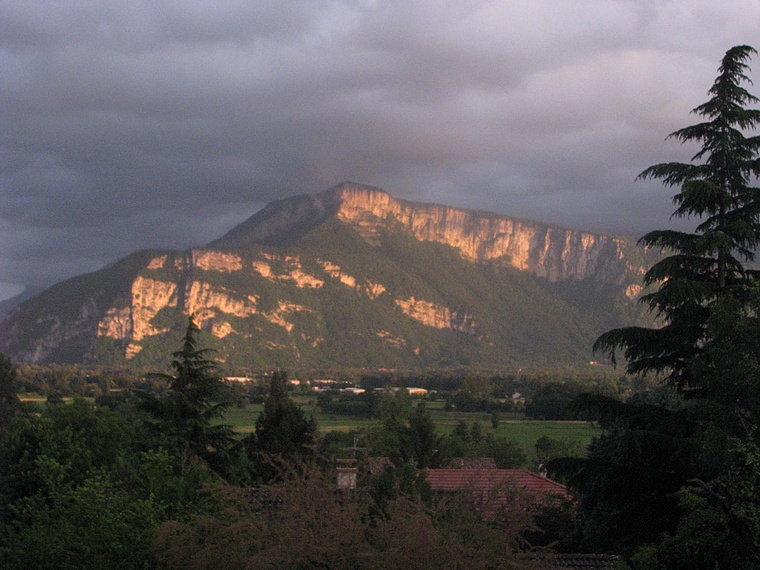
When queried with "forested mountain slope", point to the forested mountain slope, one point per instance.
{"points": [[349, 277]]}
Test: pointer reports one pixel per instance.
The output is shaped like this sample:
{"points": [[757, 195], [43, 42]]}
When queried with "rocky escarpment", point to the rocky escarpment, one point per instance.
{"points": [[216, 305], [553, 253], [347, 277]]}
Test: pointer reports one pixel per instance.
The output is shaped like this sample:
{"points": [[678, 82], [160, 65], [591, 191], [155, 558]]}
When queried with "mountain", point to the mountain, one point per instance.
{"points": [[7, 305], [349, 277]]}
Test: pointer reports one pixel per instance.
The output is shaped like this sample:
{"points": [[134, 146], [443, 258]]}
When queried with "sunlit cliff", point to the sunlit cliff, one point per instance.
{"points": [[396, 281]]}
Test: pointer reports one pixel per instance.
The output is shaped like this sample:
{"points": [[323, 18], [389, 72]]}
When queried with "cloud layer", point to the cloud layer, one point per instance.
{"points": [[132, 124]]}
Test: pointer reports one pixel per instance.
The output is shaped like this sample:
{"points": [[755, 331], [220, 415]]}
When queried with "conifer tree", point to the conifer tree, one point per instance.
{"points": [[283, 428], [283, 435], [9, 402], [708, 265], [186, 413], [707, 299]]}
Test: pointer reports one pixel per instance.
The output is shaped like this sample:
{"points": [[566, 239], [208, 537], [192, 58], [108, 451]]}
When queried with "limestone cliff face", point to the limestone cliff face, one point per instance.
{"points": [[554, 253], [255, 289], [134, 321], [437, 316], [214, 304]]}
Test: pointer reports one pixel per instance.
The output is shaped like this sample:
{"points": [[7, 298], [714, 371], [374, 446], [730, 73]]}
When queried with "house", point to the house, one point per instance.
{"points": [[491, 489], [347, 471], [477, 479], [498, 487]]}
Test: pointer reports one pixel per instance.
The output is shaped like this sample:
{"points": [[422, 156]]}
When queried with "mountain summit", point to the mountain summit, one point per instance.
{"points": [[348, 277], [551, 252]]}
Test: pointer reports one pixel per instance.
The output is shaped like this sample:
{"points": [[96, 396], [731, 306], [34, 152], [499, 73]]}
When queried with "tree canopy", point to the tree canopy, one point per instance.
{"points": [[283, 432], [707, 265], [672, 481], [9, 403], [184, 415]]}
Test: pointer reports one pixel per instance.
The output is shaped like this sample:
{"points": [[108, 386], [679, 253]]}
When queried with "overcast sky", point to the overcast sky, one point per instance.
{"points": [[127, 124]]}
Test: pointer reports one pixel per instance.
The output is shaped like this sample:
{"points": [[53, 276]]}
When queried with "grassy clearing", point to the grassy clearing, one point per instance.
{"points": [[512, 426], [527, 432]]}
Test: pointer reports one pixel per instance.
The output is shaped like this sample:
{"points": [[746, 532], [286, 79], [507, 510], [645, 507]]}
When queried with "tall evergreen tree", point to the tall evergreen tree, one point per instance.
{"points": [[185, 414], [707, 265], [707, 299], [283, 432], [9, 402]]}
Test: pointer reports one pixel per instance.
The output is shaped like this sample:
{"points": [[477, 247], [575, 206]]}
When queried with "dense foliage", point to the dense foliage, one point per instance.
{"points": [[81, 490], [283, 433], [149, 478], [184, 414], [672, 481], [706, 267]]}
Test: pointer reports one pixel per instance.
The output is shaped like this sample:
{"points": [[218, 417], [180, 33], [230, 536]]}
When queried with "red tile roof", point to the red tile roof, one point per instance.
{"points": [[484, 481]]}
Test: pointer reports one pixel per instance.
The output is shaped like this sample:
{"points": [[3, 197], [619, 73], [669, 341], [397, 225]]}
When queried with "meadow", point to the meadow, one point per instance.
{"points": [[513, 426]]}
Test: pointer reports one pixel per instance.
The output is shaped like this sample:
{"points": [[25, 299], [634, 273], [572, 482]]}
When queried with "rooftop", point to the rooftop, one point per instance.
{"points": [[488, 480]]}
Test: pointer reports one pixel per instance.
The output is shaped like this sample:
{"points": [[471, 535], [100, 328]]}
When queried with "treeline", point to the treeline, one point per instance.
{"points": [[69, 380], [540, 394], [548, 400], [149, 477]]}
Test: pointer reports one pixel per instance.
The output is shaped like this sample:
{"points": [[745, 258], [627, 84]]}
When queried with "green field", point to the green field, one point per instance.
{"points": [[513, 426]]}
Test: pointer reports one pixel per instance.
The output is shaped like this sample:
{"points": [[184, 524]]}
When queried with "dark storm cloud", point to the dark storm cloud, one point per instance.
{"points": [[162, 124]]}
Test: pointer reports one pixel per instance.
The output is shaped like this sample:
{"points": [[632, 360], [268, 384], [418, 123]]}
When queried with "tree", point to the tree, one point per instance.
{"points": [[283, 431], [9, 402], [626, 483], [185, 414], [707, 265], [389, 437], [638, 483], [92, 525], [552, 401], [471, 441], [422, 439], [73, 494], [406, 433], [705, 296], [548, 448], [84, 486], [720, 522]]}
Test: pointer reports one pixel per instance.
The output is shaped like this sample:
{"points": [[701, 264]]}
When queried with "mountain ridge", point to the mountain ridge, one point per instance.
{"points": [[357, 203], [345, 277]]}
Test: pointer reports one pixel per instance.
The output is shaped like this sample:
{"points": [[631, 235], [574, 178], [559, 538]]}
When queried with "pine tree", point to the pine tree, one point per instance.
{"points": [[185, 414], [707, 265], [707, 299], [9, 402], [283, 432]]}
